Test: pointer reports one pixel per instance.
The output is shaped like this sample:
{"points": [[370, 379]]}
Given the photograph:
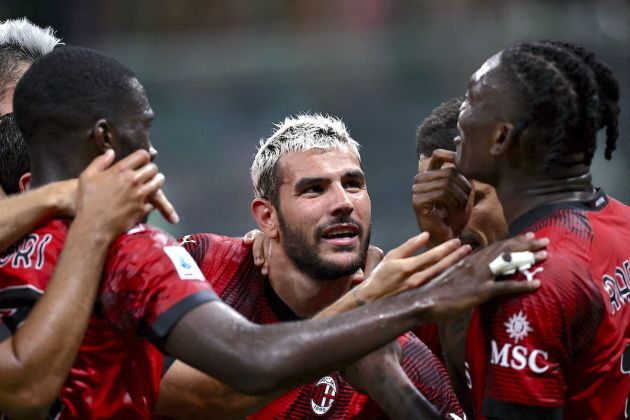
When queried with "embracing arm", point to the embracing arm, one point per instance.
{"points": [[21, 213], [34, 362]]}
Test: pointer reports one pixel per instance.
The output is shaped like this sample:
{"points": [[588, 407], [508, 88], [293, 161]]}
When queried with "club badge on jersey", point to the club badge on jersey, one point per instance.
{"points": [[323, 395], [184, 263]]}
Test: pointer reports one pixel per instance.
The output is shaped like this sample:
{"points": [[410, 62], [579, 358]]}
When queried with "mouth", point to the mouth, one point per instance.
{"points": [[341, 235]]}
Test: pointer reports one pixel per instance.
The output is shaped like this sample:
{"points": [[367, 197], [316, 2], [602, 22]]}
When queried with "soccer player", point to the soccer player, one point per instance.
{"points": [[312, 202], [528, 127], [153, 296], [34, 362], [21, 43]]}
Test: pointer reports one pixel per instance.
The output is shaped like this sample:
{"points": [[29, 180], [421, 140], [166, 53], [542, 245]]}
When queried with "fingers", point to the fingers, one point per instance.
{"points": [[433, 255], [439, 158], [248, 238], [440, 266], [135, 160], [374, 257], [409, 247], [509, 287], [258, 249], [146, 173], [164, 206], [100, 163]]}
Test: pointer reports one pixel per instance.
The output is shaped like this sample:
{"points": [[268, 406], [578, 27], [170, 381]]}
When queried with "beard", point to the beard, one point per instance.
{"points": [[304, 252]]}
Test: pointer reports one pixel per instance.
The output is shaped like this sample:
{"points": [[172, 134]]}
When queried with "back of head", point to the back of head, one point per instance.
{"points": [[22, 42], [438, 130], [568, 93], [296, 134], [65, 92], [14, 160]]}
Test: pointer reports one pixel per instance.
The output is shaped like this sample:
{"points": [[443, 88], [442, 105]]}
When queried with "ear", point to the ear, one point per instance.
{"points": [[265, 215], [24, 181], [502, 139], [103, 135]]}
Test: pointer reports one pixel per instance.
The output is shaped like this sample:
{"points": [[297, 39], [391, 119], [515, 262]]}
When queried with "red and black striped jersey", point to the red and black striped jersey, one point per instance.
{"points": [[563, 351], [227, 263], [118, 368]]}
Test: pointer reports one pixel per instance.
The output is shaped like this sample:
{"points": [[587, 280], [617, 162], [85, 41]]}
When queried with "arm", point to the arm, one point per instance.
{"points": [[21, 213], [380, 375], [260, 359], [35, 361]]}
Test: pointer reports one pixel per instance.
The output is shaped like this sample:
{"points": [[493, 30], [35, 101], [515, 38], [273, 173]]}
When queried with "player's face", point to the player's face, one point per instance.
{"points": [[325, 212], [478, 125], [133, 133]]}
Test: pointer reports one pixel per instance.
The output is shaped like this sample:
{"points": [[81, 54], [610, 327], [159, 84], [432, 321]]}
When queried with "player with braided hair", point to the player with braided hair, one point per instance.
{"points": [[528, 127]]}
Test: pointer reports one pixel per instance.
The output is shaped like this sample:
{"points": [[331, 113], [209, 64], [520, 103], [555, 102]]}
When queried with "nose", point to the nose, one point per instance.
{"points": [[341, 202]]}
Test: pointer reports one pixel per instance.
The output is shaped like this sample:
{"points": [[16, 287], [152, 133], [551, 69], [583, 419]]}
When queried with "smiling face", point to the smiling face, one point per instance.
{"points": [[324, 212]]}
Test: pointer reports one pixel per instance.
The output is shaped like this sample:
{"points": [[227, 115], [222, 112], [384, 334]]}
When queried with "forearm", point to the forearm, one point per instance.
{"points": [[453, 340], [35, 361], [21, 213], [281, 356], [186, 393], [397, 395]]}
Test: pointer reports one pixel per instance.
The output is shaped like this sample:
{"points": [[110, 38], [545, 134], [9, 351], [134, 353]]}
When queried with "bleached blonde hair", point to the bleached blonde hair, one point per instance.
{"points": [[298, 133], [22, 42]]}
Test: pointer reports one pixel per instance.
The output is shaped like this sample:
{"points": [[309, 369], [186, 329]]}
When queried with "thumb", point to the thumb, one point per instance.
{"points": [[100, 163]]}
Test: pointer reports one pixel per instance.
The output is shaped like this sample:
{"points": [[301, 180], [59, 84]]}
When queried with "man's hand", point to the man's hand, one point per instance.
{"points": [[401, 270], [261, 249], [470, 282], [441, 198], [122, 195]]}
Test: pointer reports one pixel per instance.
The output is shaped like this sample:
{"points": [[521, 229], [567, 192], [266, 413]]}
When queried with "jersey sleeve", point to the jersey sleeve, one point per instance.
{"points": [[428, 375], [149, 284], [532, 338]]}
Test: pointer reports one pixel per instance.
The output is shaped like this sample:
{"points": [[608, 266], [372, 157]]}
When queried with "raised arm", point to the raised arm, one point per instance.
{"points": [[35, 361], [265, 358]]}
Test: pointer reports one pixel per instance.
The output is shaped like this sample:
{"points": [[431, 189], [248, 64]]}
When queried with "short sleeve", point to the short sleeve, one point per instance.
{"points": [[532, 338], [150, 283]]}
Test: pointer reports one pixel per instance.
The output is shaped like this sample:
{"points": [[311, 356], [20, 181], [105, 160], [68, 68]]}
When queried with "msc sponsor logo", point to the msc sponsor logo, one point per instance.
{"points": [[514, 356], [323, 395]]}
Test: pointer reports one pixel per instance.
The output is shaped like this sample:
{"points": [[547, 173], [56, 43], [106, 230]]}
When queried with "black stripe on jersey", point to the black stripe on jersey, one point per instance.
{"points": [[162, 325], [507, 410], [525, 221], [17, 303]]}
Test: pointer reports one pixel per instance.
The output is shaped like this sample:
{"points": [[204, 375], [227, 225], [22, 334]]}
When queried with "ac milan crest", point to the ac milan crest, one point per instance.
{"points": [[323, 395]]}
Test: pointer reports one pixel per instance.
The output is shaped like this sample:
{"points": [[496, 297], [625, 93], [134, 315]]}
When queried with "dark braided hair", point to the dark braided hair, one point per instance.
{"points": [[568, 92], [608, 88]]}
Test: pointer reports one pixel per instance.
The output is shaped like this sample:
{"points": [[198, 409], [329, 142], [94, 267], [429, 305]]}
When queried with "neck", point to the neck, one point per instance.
{"points": [[522, 192], [304, 295], [46, 171]]}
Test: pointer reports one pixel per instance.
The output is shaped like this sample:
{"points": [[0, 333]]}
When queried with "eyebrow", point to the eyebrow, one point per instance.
{"points": [[304, 183]]}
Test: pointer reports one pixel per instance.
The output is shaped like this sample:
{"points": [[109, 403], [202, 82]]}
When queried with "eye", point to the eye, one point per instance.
{"points": [[354, 185], [313, 189]]}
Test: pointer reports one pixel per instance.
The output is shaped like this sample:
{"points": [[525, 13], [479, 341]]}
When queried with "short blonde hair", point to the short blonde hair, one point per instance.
{"points": [[300, 133]]}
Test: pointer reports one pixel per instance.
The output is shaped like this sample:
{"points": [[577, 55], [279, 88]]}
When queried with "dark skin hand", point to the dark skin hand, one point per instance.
{"points": [[441, 198], [262, 358]]}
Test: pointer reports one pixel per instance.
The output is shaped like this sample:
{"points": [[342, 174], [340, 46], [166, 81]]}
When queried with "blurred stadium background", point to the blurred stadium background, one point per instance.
{"points": [[219, 73]]}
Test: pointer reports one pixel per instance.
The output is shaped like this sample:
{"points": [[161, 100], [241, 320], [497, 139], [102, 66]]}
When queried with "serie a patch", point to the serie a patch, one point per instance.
{"points": [[184, 263]]}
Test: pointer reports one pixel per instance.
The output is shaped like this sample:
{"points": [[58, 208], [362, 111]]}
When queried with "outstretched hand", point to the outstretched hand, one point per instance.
{"points": [[470, 282], [402, 270]]}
